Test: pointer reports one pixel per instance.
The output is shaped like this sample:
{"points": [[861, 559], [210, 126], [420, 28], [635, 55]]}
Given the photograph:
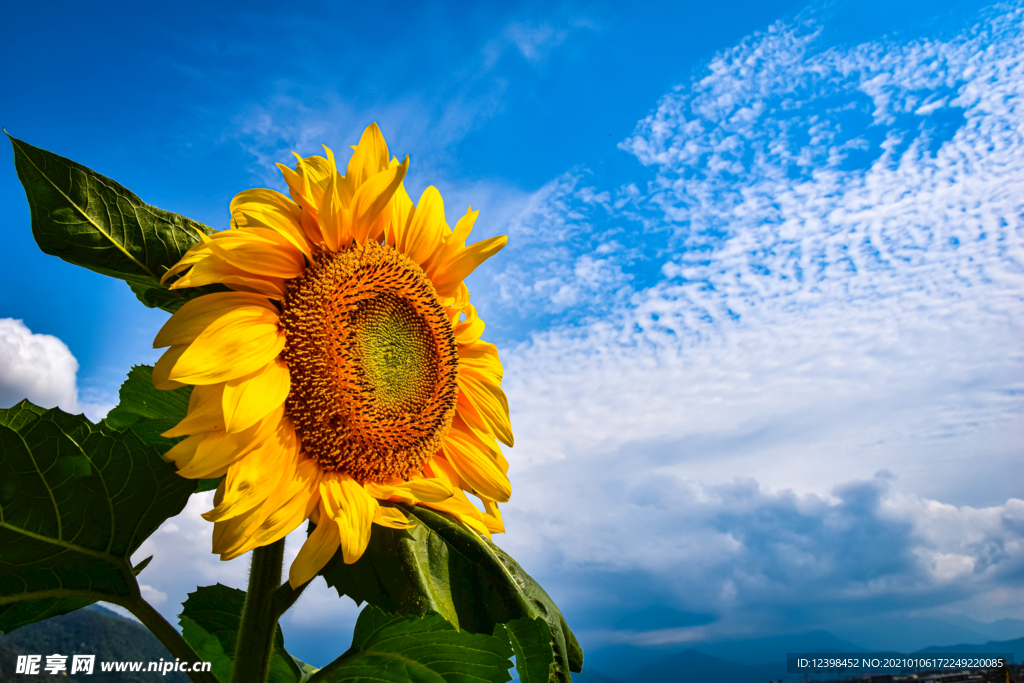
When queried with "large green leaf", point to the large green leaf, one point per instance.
{"points": [[531, 643], [76, 500], [442, 567], [209, 622], [94, 222], [388, 648], [149, 412]]}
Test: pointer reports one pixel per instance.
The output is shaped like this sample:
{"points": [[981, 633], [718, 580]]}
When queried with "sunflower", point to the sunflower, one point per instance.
{"points": [[343, 370]]}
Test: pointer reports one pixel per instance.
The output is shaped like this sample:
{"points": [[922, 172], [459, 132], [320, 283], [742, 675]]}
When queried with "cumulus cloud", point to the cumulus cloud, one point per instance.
{"points": [[754, 560], [820, 278], [39, 367]]}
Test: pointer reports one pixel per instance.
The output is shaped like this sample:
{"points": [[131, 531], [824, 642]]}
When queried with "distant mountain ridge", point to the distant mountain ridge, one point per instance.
{"points": [[89, 631], [1015, 647], [708, 663]]}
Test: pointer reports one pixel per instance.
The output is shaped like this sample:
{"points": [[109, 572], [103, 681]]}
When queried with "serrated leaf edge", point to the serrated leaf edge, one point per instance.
{"points": [[14, 142]]}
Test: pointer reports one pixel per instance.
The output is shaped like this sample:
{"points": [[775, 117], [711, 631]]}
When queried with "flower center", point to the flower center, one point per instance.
{"points": [[373, 361]]}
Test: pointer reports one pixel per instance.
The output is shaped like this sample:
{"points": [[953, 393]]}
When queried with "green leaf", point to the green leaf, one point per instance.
{"points": [[442, 567], [170, 300], [137, 569], [149, 412], [141, 401], [531, 643], [76, 500], [387, 648], [209, 622], [92, 221]]}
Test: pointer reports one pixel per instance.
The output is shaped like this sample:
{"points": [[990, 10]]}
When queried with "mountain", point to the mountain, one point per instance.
{"points": [[907, 634], [90, 631], [589, 676], [1014, 647], [772, 650], [622, 662], [691, 666]]}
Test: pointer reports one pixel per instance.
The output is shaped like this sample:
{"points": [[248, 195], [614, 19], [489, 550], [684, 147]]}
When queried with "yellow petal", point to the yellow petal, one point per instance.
{"points": [[252, 478], [334, 216], [415, 491], [449, 275], [196, 253], [184, 451], [372, 197], [454, 242], [319, 169], [316, 552], [263, 208], [464, 511], [492, 519], [369, 158], [401, 212], [191, 319], [301, 184], [292, 502], [426, 227], [439, 468], [296, 510], [352, 508], [484, 406], [392, 518], [204, 412], [469, 330], [163, 368], [260, 251], [248, 399], [219, 449], [485, 440], [475, 467], [236, 344], [214, 270], [480, 360], [311, 228]]}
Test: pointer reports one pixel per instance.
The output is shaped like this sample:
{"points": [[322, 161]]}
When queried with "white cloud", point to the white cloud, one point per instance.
{"points": [[182, 557], [837, 241], [152, 595], [39, 367], [536, 40]]}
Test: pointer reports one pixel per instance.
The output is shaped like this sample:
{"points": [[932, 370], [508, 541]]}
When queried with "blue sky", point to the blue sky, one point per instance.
{"points": [[760, 311]]}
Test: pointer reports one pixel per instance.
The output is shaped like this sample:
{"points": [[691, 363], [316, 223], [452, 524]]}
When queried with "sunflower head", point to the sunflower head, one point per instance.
{"points": [[344, 370]]}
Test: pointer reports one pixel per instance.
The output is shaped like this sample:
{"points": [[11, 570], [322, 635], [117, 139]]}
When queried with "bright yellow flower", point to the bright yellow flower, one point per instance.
{"points": [[344, 369]]}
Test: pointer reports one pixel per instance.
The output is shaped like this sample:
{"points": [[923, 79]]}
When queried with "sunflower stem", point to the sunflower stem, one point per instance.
{"points": [[259, 622]]}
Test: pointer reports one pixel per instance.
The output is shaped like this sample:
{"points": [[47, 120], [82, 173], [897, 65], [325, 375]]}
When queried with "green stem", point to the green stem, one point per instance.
{"points": [[285, 596], [168, 635], [256, 632]]}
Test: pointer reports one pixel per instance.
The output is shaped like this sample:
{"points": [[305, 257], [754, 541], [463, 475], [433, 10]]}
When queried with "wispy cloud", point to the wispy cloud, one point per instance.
{"points": [[535, 40], [836, 239]]}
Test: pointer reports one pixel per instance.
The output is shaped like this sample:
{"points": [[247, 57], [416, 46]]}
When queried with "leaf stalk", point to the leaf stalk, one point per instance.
{"points": [[285, 596], [168, 635]]}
